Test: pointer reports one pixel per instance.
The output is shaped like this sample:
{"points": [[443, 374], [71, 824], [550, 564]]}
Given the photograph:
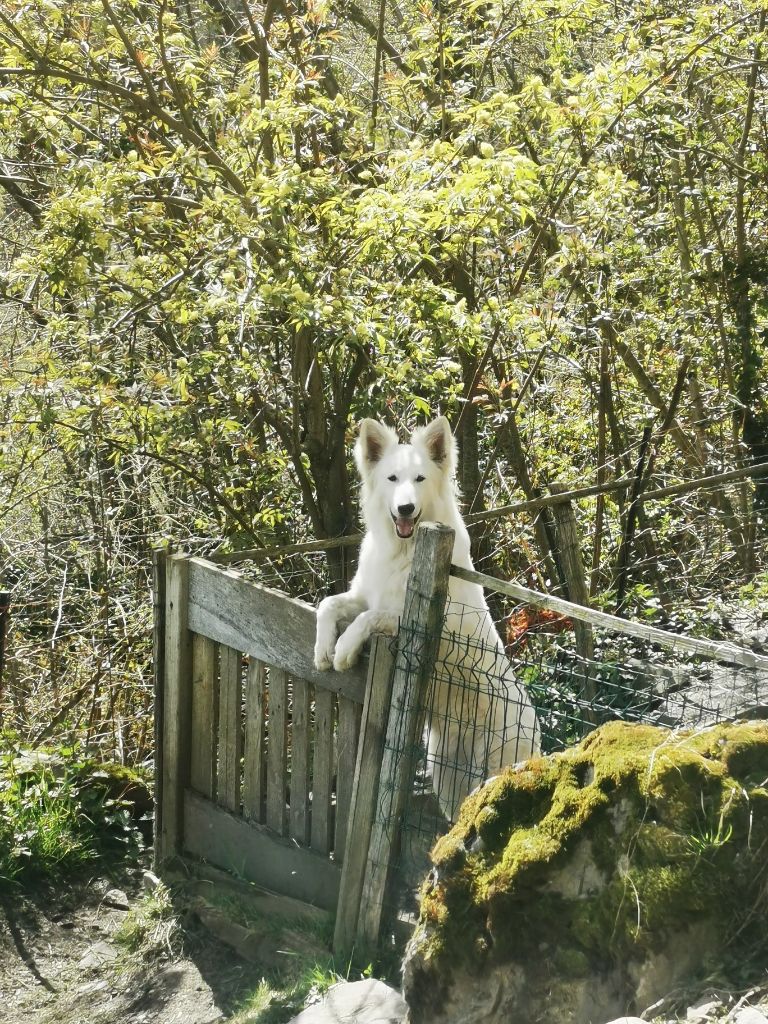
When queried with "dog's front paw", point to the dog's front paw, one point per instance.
{"points": [[324, 652], [347, 652], [322, 663], [323, 656]]}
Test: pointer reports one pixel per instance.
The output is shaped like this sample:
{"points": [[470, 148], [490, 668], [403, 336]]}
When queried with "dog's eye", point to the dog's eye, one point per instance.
{"points": [[392, 479], [419, 479]]}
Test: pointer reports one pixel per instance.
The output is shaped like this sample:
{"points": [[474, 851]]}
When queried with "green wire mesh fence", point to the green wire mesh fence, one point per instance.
{"points": [[476, 712]]}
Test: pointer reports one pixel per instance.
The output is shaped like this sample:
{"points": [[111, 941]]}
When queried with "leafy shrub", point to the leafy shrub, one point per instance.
{"points": [[59, 812]]}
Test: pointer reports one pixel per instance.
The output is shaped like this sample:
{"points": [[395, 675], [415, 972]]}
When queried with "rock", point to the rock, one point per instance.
{"points": [[749, 1015], [356, 1002], [91, 987], [150, 881], [704, 1011], [116, 899], [627, 1020], [99, 954], [593, 882]]}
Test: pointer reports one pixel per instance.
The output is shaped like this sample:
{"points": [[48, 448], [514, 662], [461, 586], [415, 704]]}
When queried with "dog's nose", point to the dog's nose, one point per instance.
{"points": [[406, 510]]}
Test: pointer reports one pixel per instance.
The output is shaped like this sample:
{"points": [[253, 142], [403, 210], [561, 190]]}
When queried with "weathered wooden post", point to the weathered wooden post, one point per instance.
{"points": [[175, 716], [418, 643], [365, 788], [569, 556], [5, 607], [158, 674]]}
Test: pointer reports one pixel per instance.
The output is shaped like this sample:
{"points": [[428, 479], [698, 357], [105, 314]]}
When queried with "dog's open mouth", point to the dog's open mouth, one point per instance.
{"points": [[405, 525]]}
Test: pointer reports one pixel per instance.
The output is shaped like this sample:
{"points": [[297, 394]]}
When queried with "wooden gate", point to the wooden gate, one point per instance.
{"points": [[258, 750], [292, 778]]}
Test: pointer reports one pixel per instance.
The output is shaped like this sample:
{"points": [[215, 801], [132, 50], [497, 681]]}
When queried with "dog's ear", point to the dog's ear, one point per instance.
{"points": [[372, 442], [436, 438]]}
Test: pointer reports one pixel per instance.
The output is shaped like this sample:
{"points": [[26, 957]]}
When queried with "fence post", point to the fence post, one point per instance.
{"points": [[370, 750], [417, 647], [176, 710], [569, 553], [158, 676], [5, 608], [569, 556]]}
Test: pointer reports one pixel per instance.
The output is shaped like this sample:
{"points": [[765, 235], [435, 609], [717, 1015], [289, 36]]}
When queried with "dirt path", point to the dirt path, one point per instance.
{"points": [[61, 962]]}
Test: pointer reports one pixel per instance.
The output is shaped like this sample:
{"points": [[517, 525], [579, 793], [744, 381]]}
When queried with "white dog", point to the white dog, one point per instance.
{"points": [[479, 718]]}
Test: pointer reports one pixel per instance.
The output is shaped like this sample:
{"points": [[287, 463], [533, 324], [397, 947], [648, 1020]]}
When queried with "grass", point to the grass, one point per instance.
{"points": [[277, 999], [279, 996], [151, 928], [58, 813]]}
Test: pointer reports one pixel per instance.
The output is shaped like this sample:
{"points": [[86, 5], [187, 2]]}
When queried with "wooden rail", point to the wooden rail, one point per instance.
{"points": [[725, 652], [568, 493]]}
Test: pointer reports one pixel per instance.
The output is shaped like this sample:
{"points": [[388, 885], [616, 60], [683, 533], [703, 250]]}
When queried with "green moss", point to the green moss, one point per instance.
{"points": [[571, 963], [672, 824]]}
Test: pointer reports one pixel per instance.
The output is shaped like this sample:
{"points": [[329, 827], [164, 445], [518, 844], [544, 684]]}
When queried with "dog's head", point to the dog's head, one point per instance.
{"points": [[407, 480]]}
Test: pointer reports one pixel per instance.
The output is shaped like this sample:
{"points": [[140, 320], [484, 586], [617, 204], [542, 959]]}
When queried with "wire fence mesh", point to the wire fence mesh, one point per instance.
{"points": [[476, 711]]}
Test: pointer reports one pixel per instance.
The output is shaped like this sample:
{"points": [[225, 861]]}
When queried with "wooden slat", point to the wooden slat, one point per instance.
{"points": [[276, 749], [177, 705], [254, 758], [230, 729], [300, 736], [346, 756], [322, 772], [204, 716], [364, 792], [418, 641], [250, 851], [263, 623]]}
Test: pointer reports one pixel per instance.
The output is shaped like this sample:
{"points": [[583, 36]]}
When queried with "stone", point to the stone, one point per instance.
{"points": [[749, 1015], [627, 1020], [99, 954], [593, 882], [356, 1002], [704, 1011], [150, 881], [116, 899]]}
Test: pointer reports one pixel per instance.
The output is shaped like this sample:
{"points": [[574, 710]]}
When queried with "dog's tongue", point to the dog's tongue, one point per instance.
{"points": [[404, 526]]}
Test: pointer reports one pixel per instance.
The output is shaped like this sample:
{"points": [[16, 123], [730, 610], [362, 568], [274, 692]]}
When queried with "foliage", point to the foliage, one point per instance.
{"points": [[230, 232], [59, 813], [151, 928]]}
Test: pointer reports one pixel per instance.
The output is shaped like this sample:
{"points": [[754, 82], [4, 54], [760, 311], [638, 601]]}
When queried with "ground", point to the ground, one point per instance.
{"points": [[63, 959], [111, 944], [108, 950], [127, 951], [66, 958]]}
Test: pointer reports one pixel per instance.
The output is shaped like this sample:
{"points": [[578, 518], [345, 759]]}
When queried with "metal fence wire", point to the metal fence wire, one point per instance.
{"points": [[475, 715]]}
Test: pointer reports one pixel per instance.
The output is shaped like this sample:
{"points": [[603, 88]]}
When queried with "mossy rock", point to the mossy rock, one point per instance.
{"points": [[586, 884]]}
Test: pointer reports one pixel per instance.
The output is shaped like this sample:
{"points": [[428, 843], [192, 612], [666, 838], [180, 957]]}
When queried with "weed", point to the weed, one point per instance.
{"points": [[151, 928], [281, 995], [57, 814]]}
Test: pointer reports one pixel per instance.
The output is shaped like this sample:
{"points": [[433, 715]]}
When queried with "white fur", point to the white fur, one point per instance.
{"points": [[480, 717]]}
